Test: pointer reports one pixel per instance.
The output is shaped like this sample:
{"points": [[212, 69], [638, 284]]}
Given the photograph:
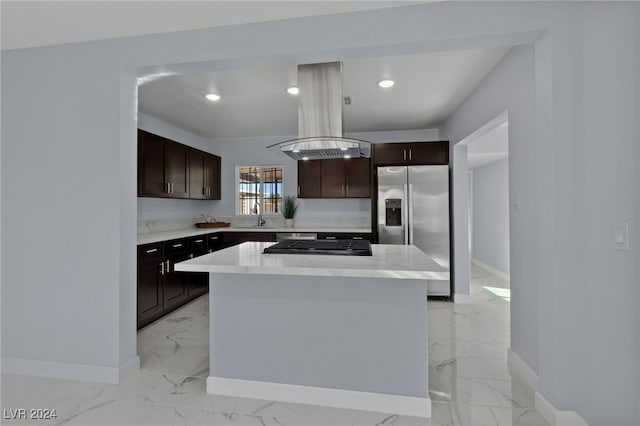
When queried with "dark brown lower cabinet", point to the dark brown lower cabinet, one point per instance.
{"points": [[175, 283], [150, 278], [162, 289]]}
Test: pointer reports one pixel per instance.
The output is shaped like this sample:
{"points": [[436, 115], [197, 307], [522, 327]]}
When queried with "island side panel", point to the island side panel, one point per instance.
{"points": [[358, 334]]}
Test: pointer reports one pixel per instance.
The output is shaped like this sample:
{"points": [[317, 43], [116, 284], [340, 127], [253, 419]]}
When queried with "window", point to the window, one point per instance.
{"points": [[259, 190]]}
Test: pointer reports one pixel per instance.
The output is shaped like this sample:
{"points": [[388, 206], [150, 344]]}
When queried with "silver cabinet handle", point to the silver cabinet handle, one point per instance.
{"points": [[347, 191], [410, 204], [191, 256], [409, 155], [172, 187], [168, 188], [167, 267], [404, 154], [329, 238], [357, 238], [214, 238], [152, 250], [176, 245], [342, 190], [198, 241], [161, 268], [405, 201]]}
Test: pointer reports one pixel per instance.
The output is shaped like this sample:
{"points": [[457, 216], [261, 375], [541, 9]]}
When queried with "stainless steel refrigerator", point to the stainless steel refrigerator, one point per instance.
{"points": [[413, 208]]}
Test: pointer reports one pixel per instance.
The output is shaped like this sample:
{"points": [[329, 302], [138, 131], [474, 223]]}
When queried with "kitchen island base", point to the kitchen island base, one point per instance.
{"points": [[347, 342]]}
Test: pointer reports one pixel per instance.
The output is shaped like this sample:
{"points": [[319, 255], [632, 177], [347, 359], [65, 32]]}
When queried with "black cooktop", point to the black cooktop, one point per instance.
{"points": [[331, 247]]}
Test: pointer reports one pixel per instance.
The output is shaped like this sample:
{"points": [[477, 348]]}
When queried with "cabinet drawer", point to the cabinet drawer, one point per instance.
{"points": [[345, 236], [215, 241], [199, 242], [176, 246], [148, 252]]}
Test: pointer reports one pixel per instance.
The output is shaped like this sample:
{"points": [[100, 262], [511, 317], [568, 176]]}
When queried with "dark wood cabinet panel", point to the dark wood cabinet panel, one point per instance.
{"points": [[429, 153], [177, 169], [357, 178], [389, 154], [149, 277], [169, 169], [175, 282], [197, 184], [309, 179], [400, 154], [336, 178], [235, 238], [333, 178], [212, 174], [151, 166]]}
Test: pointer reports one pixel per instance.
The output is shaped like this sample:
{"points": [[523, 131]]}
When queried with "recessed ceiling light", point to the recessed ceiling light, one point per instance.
{"points": [[347, 156], [293, 90], [386, 83], [296, 150], [343, 149], [213, 96], [305, 158]]}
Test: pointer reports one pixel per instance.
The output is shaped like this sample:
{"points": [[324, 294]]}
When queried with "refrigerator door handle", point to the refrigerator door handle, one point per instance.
{"points": [[410, 204], [405, 214]]}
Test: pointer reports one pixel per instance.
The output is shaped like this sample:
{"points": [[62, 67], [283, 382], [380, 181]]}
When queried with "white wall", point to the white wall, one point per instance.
{"points": [[491, 215], [71, 309], [166, 208]]}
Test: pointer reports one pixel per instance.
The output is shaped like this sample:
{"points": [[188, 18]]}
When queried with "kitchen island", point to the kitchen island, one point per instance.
{"points": [[342, 331]]}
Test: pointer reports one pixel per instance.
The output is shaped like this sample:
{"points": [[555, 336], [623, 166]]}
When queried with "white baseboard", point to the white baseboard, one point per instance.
{"points": [[462, 298], [552, 415], [339, 398], [60, 370], [129, 368], [522, 369], [557, 417], [491, 269]]}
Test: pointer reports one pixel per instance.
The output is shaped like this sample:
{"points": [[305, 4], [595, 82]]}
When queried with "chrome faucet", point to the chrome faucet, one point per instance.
{"points": [[261, 221]]}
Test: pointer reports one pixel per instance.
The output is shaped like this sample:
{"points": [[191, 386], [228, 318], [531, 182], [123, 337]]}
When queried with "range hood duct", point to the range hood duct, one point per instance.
{"points": [[320, 117]]}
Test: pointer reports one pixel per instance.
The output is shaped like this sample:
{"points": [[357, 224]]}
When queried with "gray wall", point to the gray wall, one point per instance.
{"points": [[511, 86], [490, 209], [73, 151]]}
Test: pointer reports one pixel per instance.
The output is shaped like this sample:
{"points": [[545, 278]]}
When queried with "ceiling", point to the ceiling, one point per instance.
{"points": [[429, 88], [42, 23]]}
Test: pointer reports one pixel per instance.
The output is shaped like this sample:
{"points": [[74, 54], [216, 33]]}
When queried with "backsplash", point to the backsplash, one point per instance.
{"points": [[162, 225]]}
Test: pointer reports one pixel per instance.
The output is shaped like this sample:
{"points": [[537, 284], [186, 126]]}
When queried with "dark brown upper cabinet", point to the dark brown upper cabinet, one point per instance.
{"points": [[212, 170], [401, 154], [339, 178], [168, 169], [309, 179]]}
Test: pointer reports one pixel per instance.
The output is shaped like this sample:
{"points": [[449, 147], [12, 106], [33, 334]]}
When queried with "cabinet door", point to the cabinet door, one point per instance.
{"points": [[177, 169], [357, 178], [151, 163], [198, 281], [428, 153], [309, 179], [389, 154], [333, 178], [197, 184], [212, 177], [175, 283], [149, 287]]}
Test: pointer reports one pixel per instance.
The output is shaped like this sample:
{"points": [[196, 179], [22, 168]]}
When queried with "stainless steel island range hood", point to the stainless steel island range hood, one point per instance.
{"points": [[320, 117]]}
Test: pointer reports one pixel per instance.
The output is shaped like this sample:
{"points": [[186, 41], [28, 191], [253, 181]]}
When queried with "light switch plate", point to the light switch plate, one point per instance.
{"points": [[621, 236]]}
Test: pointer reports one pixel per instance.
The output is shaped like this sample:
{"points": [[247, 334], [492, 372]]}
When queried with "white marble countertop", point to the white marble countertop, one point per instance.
{"points": [[388, 261], [154, 237]]}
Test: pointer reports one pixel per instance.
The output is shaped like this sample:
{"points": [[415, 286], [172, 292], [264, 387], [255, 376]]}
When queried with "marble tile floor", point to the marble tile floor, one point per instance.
{"points": [[470, 383]]}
